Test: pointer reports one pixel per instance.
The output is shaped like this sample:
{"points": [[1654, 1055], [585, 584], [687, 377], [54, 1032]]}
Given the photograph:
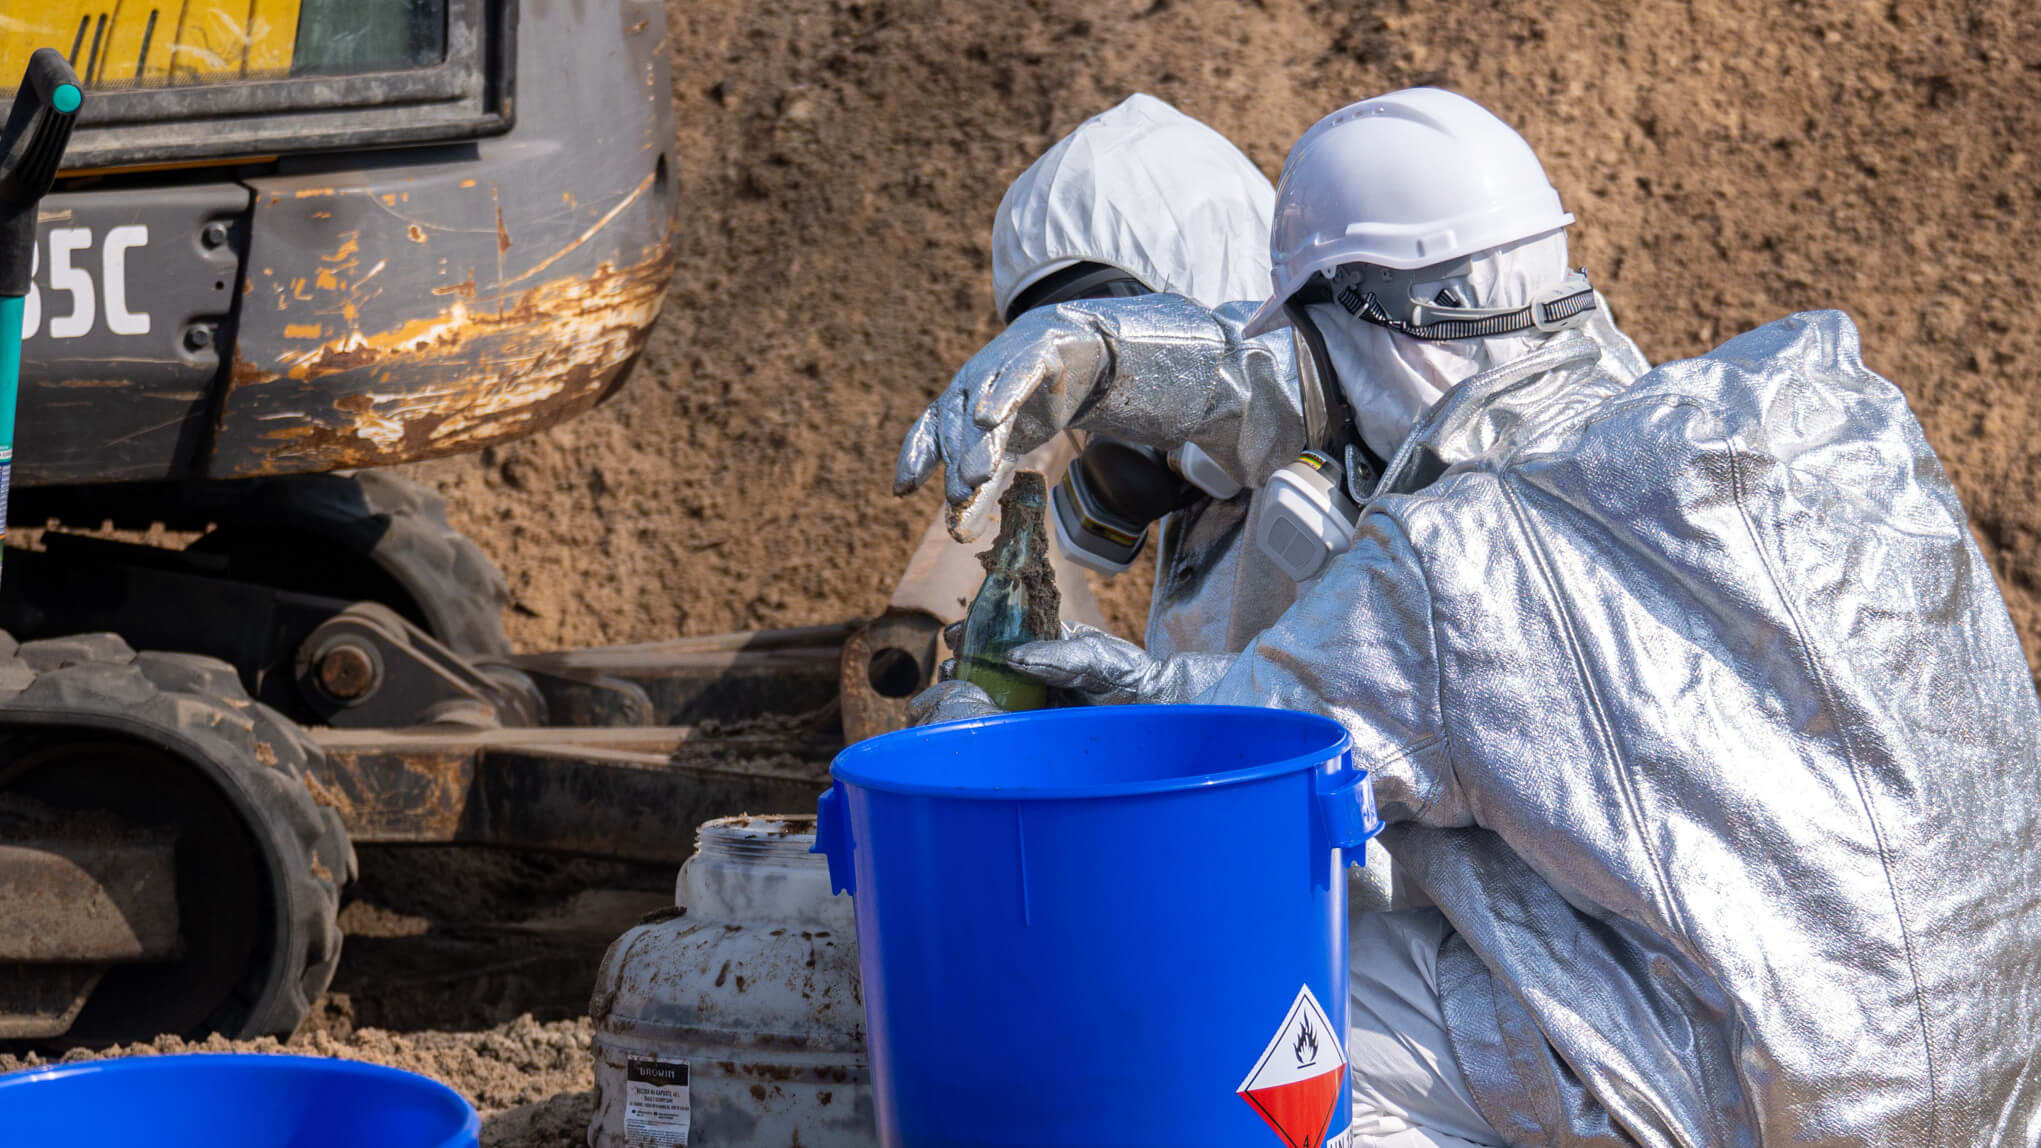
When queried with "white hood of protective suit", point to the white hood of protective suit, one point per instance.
{"points": [[1390, 380], [1149, 190]]}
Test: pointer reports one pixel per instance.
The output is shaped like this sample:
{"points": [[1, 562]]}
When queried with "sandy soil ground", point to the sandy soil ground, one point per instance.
{"points": [[1730, 161]]}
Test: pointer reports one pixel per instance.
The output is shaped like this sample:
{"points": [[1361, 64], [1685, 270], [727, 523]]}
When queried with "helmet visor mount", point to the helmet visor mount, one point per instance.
{"points": [[1431, 303]]}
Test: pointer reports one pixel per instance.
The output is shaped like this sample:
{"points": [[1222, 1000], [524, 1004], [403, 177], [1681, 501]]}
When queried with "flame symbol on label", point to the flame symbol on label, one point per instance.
{"points": [[1306, 1047]]}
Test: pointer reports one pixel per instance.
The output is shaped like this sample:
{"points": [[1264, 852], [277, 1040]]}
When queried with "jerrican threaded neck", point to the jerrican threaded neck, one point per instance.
{"points": [[779, 838]]}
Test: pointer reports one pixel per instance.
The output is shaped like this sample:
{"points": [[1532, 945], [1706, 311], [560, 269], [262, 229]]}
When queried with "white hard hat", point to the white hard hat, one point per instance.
{"points": [[1407, 180], [1146, 189]]}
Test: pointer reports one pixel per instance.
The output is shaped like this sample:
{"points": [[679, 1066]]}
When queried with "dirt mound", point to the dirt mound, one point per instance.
{"points": [[1730, 162]]}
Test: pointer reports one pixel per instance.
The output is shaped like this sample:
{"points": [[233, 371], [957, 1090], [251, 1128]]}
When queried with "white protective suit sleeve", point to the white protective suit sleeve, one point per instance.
{"points": [[1408, 1090]]}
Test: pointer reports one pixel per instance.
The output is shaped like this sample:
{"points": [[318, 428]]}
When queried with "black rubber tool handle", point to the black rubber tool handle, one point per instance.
{"points": [[31, 147]]}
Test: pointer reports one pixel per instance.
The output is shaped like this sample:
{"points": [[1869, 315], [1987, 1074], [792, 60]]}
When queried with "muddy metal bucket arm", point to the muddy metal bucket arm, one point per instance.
{"points": [[748, 722]]}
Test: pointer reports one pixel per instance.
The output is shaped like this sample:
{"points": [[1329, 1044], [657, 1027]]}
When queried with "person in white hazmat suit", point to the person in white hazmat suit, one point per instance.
{"points": [[1688, 698], [1137, 199]]}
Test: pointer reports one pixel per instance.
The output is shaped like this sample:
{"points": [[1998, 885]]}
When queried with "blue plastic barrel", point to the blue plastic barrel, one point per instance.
{"points": [[231, 1100], [1106, 926]]}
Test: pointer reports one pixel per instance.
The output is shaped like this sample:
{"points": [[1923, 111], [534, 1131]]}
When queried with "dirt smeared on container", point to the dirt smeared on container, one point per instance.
{"points": [[1023, 510], [1018, 601]]}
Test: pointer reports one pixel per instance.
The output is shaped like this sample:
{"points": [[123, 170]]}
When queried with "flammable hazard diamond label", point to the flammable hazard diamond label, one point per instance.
{"points": [[1296, 1083]]}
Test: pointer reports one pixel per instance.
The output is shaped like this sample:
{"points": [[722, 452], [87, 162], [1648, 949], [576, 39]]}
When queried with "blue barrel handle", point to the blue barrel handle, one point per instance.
{"points": [[1349, 814], [832, 839]]}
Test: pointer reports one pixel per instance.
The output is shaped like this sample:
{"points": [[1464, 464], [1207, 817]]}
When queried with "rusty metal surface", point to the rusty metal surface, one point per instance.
{"points": [[455, 297], [89, 899], [131, 299], [628, 793], [884, 664], [367, 667]]}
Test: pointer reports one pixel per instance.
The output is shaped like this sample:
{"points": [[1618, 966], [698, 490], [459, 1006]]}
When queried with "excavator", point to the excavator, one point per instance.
{"points": [[292, 242]]}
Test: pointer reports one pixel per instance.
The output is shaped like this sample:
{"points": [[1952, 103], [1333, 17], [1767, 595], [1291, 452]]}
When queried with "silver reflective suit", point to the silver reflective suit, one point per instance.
{"points": [[1695, 709], [1214, 588]]}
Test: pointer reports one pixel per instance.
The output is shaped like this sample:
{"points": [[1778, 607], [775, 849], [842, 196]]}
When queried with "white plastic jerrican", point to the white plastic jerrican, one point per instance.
{"points": [[1406, 180], [737, 1021]]}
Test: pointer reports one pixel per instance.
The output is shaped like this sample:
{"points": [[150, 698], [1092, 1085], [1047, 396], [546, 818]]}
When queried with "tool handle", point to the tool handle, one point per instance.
{"points": [[31, 146]]}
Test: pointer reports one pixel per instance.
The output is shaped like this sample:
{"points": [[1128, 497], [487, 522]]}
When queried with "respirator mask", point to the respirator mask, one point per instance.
{"points": [[1376, 348], [1114, 490]]}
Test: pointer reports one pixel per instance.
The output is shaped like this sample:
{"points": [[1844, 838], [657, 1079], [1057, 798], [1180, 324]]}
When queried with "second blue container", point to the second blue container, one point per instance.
{"points": [[1109, 926], [231, 1100]]}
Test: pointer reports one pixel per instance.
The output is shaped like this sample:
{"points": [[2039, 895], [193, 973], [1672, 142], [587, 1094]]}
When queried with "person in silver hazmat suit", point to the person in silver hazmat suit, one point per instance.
{"points": [[1687, 696], [1137, 199]]}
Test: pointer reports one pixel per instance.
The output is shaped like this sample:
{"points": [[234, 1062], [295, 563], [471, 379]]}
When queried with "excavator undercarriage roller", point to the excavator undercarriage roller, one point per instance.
{"points": [[163, 865]]}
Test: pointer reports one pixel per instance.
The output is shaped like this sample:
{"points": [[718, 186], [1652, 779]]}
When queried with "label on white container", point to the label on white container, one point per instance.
{"points": [[655, 1103]]}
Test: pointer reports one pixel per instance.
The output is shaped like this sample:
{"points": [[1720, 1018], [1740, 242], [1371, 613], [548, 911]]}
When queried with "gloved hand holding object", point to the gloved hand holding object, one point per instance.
{"points": [[1098, 668], [1088, 666], [1136, 200], [950, 700]]}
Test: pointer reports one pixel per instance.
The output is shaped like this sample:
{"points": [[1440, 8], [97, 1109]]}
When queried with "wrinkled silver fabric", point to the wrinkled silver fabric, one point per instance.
{"points": [[1104, 669], [1157, 370], [1214, 588], [950, 699], [1694, 707]]}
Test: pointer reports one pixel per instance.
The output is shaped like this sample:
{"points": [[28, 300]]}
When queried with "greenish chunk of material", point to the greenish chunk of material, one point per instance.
{"points": [[67, 98]]}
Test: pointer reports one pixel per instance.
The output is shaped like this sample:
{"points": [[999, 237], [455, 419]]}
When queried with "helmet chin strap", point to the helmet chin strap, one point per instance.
{"points": [[1565, 304]]}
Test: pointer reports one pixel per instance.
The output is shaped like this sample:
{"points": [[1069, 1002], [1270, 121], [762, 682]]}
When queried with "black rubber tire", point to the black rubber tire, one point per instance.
{"points": [[187, 711], [303, 532]]}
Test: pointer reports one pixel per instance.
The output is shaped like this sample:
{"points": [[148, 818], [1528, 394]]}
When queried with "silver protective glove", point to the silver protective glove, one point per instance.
{"points": [[950, 700], [1156, 370], [1104, 670], [1089, 666]]}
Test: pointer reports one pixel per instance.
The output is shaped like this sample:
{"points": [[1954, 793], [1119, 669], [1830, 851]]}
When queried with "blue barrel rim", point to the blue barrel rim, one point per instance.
{"points": [[326, 1067], [1337, 746]]}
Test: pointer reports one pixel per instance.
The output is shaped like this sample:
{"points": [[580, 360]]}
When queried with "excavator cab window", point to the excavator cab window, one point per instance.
{"points": [[119, 44]]}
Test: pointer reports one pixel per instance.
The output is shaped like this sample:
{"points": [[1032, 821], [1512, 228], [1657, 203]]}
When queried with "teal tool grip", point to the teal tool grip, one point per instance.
{"points": [[10, 382], [11, 308], [32, 141]]}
